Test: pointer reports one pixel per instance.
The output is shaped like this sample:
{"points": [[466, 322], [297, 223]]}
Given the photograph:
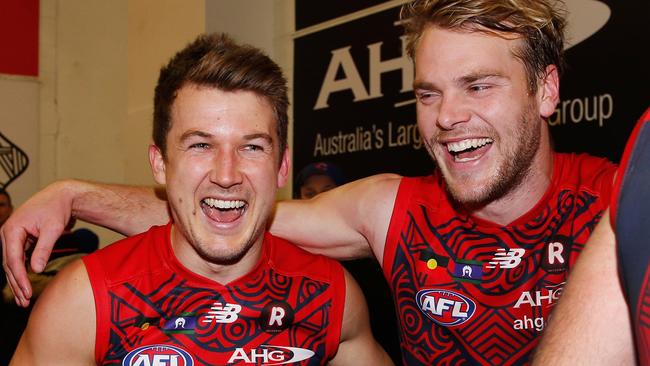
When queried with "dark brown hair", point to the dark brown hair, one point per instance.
{"points": [[215, 60]]}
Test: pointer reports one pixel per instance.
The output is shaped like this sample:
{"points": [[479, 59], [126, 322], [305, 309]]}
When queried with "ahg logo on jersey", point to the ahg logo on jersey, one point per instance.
{"points": [[158, 355], [270, 355], [220, 313], [445, 307], [544, 297]]}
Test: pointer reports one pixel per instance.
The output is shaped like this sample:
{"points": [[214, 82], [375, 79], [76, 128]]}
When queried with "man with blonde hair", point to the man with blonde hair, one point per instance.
{"points": [[476, 254]]}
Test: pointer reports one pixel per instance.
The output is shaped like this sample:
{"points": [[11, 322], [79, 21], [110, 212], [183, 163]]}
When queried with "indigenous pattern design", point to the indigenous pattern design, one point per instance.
{"points": [[469, 291], [272, 315]]}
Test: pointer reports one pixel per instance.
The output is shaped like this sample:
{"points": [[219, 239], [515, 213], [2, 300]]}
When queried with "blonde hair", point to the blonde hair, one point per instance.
{"points": [[539, 23]]}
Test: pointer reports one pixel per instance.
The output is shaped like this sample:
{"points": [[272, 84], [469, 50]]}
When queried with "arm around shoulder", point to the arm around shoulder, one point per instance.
{"points": [[61, 327], [357, 345], [350, 221], [125, 209]]}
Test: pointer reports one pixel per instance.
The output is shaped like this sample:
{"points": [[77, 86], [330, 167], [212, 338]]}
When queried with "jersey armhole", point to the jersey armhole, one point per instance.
{"points": [[100, 296], [338, 307], [402, 198], [620, 175]]}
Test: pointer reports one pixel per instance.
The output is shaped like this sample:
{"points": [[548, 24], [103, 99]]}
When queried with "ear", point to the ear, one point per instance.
{"points": [[549, 91], [285, 165], [157, 163]]}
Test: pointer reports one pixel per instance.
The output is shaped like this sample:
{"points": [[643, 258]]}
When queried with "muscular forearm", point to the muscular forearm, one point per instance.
{"points": [[307, 224], [126, 209]]}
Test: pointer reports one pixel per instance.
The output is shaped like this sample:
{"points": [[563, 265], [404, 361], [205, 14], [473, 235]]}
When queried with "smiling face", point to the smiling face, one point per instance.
{"points": [[222, 169], [480, 122]]}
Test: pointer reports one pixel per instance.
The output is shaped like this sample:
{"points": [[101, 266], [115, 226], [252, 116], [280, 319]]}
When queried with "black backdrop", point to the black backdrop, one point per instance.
{"points": [[360, 125]]}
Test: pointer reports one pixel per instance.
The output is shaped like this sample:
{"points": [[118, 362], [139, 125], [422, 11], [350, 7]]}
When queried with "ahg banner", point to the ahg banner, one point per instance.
{"points": [[353, 99]]}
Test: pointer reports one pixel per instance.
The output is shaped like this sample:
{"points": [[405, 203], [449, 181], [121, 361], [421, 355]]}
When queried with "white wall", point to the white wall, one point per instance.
{"points": [[266, 24], [19, 101], [99, 64], [88, 114]]}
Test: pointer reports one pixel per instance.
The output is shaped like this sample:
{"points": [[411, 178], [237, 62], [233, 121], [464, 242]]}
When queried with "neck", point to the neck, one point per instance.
{"points": [[220, 271]]}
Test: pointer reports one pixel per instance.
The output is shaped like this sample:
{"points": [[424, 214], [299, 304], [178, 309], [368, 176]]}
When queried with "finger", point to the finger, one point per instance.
{"points": [[43, 249], [19, 297], [13, 260]]}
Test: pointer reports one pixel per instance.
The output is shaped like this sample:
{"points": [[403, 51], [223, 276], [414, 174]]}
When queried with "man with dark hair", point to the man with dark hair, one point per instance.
{"points": [[317, 178], [211, 287], [476, 254]]}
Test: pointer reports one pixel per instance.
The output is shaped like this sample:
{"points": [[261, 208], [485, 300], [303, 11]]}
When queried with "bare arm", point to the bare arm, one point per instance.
{"points": [[61, 327], [44, 216], [350, 221], [591, 324], [357, 347]]}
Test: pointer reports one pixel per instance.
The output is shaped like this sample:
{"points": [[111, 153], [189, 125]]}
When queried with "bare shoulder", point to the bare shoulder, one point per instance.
{"points": [[61, 327], [357, 345], [375, 197]]}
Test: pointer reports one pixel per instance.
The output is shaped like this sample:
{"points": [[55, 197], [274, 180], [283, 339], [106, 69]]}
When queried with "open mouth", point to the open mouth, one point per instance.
{"points": [[223, 210], [468, 149]]}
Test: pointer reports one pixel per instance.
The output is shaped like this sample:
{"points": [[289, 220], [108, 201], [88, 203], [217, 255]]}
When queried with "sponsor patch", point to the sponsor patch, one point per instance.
{"points": [[445, 307], [555, 257], [276, 317], [506, 258], [222, 313], [268, 354], [158, 354]]}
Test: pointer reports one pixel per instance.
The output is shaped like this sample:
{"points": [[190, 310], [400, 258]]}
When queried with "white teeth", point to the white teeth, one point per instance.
{"points": [[223, 204], [463, 145]]}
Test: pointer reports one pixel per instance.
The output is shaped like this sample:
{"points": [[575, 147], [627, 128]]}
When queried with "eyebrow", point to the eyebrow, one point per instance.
{"points": [[463, 80], [264, 136], [474, 77], [193, 133]]}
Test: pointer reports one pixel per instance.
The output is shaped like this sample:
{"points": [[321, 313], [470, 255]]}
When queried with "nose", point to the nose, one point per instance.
{"points": [[451, 111], [226, 170]]}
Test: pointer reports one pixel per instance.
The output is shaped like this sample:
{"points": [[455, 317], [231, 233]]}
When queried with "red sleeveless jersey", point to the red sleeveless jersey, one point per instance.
{"points": [[151, 310], [630, 215], [468, 291]]}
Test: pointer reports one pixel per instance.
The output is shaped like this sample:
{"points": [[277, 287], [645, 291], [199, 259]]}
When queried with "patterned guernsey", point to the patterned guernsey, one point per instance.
{"points": [[151, 310], [469, 291], [630, 215]]}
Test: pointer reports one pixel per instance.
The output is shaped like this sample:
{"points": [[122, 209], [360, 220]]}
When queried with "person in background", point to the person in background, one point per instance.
{"points": [[6, 208], [211, 287], [72, 244], [13, 319], [316, 178], [477, 253]]}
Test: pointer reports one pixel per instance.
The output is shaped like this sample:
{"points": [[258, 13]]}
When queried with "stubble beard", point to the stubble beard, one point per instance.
{"points": [[515, 166], [204, 248]]}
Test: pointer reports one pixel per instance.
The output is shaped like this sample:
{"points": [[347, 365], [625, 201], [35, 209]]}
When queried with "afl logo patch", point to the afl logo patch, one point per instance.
{"points": [[445, 307], [158, 354]]}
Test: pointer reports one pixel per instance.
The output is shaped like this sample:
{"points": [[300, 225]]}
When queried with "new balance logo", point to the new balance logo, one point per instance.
{"points": [[220, 313], [506, 259]]}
